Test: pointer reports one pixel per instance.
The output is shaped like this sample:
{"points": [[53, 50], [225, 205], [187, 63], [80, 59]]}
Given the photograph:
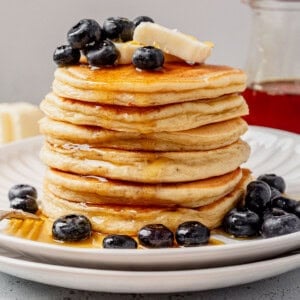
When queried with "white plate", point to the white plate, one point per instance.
{"points": [[146, 282], [273, 151]]}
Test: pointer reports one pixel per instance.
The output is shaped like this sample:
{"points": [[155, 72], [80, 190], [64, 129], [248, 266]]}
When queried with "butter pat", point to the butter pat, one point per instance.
{"points": [[18, 120], [172, 42]]}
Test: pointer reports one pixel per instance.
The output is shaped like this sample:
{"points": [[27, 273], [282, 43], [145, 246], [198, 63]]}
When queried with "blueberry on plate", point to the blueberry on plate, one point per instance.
{"points": [[118, 29], [72, 228], [286, 204], [242, 222], [103, 54], [271, 212], [192, 233], [274, 181], [138, 20], [115, 241], [24, 197], [65, 55], [148, 58], [297, 210], [85, 32], [22, 191], [258, 196], [26, 204], [275, 193], [156, 236], [280, 225]]}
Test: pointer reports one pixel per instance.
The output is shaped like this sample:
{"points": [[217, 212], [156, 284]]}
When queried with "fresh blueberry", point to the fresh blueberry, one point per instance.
{"points": [[148, 58], [25, 204], [118, 29], [103, 54], [271, 212], [192, 233], [72, 228], [115, 241], [280, 225], [286, 204], [275, 193], [85, 32], [66, 55], [274, 181], [297, 210], [156, 236], [22, 191], [242, 222], [258, 196], [138, 20]]}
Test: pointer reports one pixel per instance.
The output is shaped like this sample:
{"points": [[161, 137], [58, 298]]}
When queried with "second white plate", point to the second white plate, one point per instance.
{"points": [[146, 282]]}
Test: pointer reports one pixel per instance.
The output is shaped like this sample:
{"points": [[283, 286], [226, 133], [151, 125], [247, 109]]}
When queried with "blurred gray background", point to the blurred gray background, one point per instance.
{"points": [[30, 31]]}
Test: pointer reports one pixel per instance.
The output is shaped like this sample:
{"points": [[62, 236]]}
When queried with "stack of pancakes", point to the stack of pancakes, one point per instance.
{"points": [[128, 148]]}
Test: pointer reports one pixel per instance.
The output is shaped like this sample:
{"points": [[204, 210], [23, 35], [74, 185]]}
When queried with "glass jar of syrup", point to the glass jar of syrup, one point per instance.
{"points": [[273, 67]]}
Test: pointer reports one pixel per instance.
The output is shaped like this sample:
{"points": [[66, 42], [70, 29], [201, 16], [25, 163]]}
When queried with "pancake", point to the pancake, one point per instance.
{"points": [[112, 219], [172, 117], [142, 99], [147, 167], [207, 137], [173, 77], [100, 190]]}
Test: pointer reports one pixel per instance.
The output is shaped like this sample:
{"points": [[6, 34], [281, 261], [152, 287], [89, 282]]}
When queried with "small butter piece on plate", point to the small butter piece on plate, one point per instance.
{"points": [[18, 120]]}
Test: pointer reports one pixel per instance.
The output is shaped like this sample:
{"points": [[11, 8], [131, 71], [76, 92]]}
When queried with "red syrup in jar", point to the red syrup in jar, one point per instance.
{"points": [[274, 104]]}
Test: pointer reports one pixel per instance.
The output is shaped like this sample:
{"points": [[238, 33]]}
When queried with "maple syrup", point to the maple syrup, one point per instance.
{"points": [[41, 231], [274, 104]]}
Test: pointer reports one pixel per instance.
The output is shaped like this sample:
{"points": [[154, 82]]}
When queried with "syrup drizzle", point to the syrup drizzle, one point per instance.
{"points": [[41, 231]]}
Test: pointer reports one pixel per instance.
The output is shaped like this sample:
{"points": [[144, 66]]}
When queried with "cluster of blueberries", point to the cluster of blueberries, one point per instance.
{"points": [[266, 211], [96, 43], [77, 227]]}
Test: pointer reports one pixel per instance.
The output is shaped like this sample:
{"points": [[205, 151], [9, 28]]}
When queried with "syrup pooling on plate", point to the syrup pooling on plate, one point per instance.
{"points": [[41, 231]]}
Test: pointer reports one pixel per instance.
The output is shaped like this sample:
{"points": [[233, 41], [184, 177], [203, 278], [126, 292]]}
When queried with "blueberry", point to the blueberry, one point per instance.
{"points": [[66, 55], [271, 212], [22, 191], [119, 242], [156, 236], [242, 222], [103, 54], [192, 233], [118, 29], [297, 210], [25, 204], [258, 196], [148, 58], [275, 193], [72, 228], [274, 181], [288, 205], [85, 32], [138, 20], [280, 225]]}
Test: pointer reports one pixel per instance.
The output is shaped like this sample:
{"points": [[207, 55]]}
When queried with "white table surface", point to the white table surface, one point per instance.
{"points": [[286, 286]]}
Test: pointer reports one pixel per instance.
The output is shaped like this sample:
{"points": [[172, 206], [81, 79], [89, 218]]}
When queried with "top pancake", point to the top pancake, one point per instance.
{"points": [[124, 85]]}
